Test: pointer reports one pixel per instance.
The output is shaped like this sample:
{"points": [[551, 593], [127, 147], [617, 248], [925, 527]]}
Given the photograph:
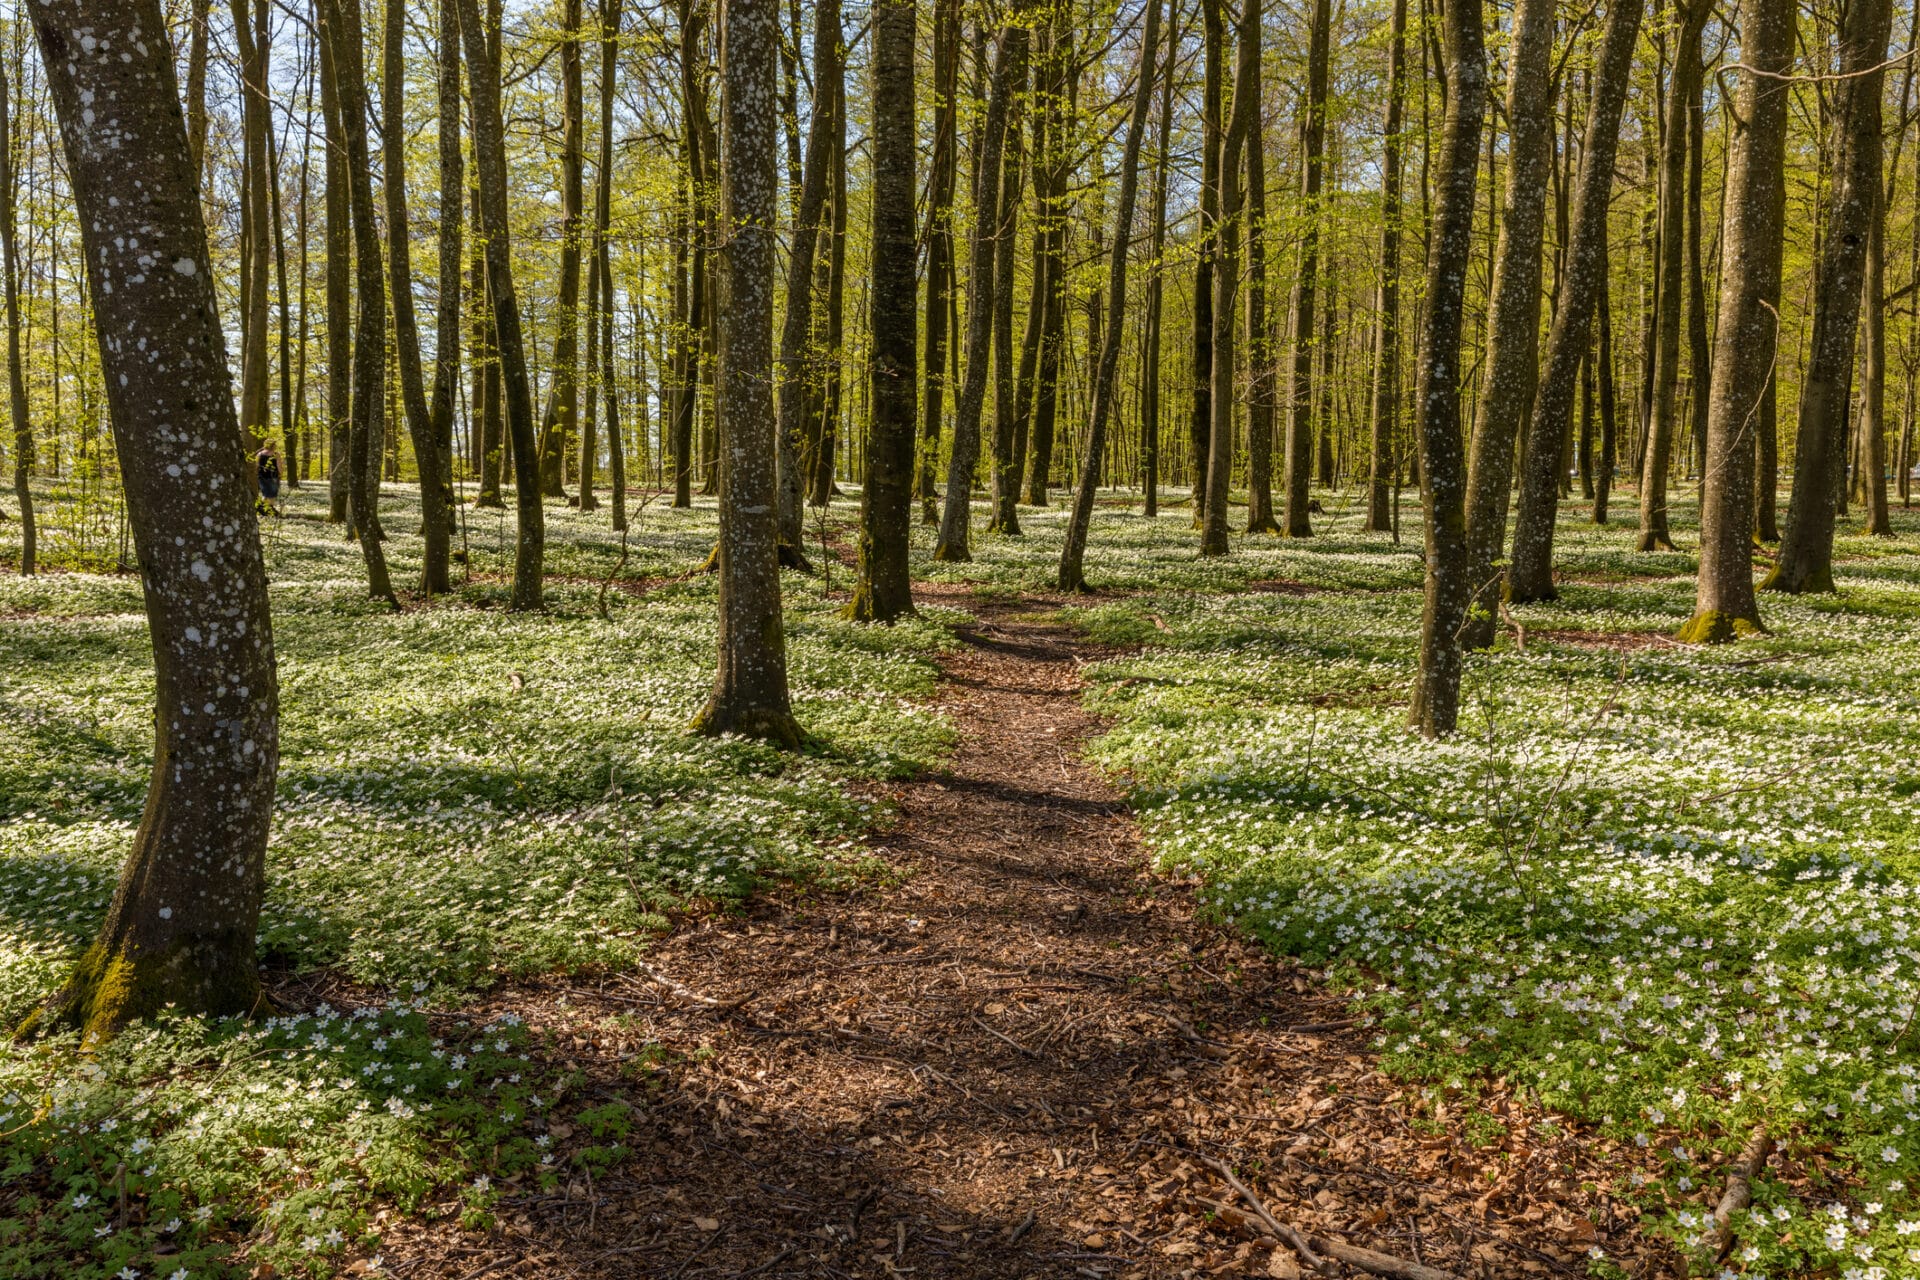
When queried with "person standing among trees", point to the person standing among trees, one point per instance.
{"points": [[266, 465], [180, 932]]}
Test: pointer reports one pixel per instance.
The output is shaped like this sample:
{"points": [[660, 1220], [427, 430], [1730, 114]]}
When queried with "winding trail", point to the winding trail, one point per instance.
{"points": [[1010, 1059]]}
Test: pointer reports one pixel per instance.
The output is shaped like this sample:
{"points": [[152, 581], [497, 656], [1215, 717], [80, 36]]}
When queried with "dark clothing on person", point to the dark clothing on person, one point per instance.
{"points": [[269, 476]]}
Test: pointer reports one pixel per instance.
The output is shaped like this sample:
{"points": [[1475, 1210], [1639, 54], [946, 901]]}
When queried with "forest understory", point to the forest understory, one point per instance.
{"points": [[1071, 905]]}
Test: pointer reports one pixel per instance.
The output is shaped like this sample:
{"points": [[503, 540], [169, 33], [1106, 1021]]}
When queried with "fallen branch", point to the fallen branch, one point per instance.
{"points": [[1007, 1039], [1311, 1247], [1281, 1230], [680, 989], [1379, 1264], [1739, 1192]]}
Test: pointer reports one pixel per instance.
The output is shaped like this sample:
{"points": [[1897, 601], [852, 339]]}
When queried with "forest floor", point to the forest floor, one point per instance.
{"points": [[1071, 906], [1020, 1054]]}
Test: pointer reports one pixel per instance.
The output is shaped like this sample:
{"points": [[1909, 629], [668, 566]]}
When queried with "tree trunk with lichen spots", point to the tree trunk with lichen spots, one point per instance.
{"points": [[1806, 553], [181, 929], [750, 689], [1009, 68], [883, 591], [1582, 292], [1724, 607], [1436, 689], [490, 157], [1513, 313]]}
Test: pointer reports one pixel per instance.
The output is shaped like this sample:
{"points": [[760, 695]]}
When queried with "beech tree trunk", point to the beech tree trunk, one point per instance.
{"points": [[1009, 69], [940, 183], [882, 590], [1260, 355], [23, 452], [490, 156], [1072, 576], [1156, 281], [750, 688], [1058, 109], [443, 407], [1682, 88], [609, 385], [1383, 456], [435, 507], [339, 297], [256, 232], [1226, 277], [1530, 570], [1313, 133], [562, 417], [1003, 479], [1805, 563], [799, 363], [1724, 606], [1609, 421], [180, 931], [341, 29], [1513, 315], [1873, 378], [1436, 689], [1200, 414]]}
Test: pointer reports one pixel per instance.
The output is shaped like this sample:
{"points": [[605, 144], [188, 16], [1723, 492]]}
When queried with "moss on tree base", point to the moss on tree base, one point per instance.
{"points": [[776, 727], [1716, 626], [1791, 581], [864, 607], [952, 555], [110, 989]]}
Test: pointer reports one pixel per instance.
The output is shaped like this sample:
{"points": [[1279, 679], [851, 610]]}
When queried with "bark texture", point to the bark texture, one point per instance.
{"points": [[1072, 575], [1805, 563], [883, 591], [750, 688], [1299, 450], [1530, 569], [1436, 689], [181, 928], [1513, 310], [1382, 456], [1724, 606], [490, 156], [1009, 69]]}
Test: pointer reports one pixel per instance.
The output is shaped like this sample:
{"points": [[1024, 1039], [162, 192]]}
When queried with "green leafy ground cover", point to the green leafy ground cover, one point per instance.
{"points": [[465, 795], [1673, 892]]}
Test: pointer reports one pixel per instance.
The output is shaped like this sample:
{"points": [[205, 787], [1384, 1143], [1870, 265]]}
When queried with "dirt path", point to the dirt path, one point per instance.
{"points": [[1009, 1063]]}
